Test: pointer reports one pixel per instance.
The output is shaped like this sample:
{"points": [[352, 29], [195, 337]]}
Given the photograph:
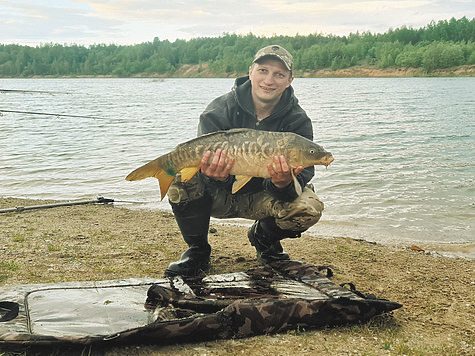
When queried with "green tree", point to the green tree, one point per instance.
{"points": [[442, 55], [438, 45]]}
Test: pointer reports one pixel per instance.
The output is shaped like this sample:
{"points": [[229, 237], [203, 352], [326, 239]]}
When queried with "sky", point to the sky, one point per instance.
{"points": [[86, 22]]}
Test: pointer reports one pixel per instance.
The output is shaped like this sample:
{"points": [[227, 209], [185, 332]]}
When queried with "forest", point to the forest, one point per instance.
{"points": [[442, 44]]}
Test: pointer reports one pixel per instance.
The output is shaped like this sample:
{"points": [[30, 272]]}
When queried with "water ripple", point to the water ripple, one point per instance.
{"points": [[403, 147]]}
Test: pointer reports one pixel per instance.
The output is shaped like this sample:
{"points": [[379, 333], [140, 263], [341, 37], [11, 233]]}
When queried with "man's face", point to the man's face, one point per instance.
{"points": [[269, 79]]}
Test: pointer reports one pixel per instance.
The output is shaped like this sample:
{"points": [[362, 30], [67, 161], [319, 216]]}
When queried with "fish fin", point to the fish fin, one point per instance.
{"points": [[149, 169], [297, 186], [164, 180], [188, 173], [153, 169], [240, 182]]}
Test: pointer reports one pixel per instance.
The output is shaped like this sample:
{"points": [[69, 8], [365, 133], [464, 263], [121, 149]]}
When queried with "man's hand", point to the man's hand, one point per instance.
{"points": [[217, 169], [280, 172]]}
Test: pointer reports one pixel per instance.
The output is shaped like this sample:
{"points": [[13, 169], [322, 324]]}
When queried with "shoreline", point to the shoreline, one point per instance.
{"points": [[202, 71], [463, 250], [105, 242]]}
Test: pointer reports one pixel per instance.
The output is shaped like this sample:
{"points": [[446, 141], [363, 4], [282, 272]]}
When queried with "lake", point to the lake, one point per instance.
{"points": [[404, 147]]}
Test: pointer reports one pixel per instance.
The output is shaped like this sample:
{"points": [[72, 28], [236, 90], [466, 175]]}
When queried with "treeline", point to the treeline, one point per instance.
{"points": [[438, 45]]}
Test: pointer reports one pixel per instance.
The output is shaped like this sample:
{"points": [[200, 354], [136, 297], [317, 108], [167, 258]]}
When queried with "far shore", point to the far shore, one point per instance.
{"points": [[202, 71]]}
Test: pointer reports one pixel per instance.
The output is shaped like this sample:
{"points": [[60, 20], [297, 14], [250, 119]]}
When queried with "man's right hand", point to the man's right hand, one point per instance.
{"points": [[218, 168]]}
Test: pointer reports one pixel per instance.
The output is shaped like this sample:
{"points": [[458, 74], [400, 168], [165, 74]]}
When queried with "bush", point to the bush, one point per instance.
{"points": [[442, 55]]}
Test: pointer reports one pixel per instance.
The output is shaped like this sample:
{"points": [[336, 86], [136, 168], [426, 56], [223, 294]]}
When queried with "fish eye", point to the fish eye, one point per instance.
{"points": [[312, 152]]}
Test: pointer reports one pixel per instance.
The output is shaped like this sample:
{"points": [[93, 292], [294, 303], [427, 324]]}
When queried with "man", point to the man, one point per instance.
{"points": [[264, 101]]}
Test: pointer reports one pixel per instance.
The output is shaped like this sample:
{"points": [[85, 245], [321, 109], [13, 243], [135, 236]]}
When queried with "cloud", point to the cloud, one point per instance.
{"points": [[37, 22], [135, 21], [169, 11]]}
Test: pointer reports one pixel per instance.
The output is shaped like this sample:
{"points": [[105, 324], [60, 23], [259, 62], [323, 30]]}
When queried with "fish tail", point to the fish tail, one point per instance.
{"points": [[154, 169]]}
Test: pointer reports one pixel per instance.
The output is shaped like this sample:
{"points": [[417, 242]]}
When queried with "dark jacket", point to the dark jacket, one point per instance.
{"points": [[236, 110]]}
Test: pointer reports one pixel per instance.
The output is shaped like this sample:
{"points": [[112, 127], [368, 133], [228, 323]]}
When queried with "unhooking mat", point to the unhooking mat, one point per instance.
{"points": [[286, 296]]}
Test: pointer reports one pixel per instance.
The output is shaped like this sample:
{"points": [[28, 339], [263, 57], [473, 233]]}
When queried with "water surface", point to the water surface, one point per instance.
{"points": [[403, 147]]}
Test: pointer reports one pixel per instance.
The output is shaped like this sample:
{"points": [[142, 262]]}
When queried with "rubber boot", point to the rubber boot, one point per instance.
{"points": [[265, 236], [193, 221]]}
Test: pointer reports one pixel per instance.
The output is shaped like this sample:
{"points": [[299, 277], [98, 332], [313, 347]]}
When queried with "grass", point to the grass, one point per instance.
{"points": [[5, 270], [8, 266], [19, 238]]}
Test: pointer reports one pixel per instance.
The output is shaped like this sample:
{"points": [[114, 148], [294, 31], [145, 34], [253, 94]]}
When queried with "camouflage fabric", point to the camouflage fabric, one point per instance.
{"points": [[298, 215], [276, 51], [283, 296]]}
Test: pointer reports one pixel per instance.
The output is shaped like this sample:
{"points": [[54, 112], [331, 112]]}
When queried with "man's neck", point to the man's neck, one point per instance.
{"points": [[263, 113], [263, 110]]}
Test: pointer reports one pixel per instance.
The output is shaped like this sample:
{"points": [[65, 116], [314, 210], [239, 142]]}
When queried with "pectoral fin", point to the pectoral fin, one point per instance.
{"points": [[297, 186], [188, 173], [240, 182]]}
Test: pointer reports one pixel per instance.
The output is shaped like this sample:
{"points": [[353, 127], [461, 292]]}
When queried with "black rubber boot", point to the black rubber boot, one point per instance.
{"points": [[193, 221], [265, 236]]}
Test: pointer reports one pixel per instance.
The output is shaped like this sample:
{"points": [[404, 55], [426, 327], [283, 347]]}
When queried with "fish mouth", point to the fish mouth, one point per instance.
{"points": [[327, 160]]}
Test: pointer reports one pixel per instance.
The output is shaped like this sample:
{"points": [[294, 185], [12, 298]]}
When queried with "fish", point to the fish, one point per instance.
{"points": [[252, 150]]}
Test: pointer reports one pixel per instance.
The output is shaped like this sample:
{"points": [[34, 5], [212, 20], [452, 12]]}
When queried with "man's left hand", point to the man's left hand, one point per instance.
{"points": [[280, 172]]}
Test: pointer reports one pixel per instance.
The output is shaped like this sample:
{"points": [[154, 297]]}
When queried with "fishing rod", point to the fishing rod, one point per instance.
{"points": [[51, 114], [18, 209], [31, 91]]}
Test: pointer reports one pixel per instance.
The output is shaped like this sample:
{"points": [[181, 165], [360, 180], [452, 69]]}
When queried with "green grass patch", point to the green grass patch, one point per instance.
{"points": [[8, 266], [53, 248], [5, 269], [19, 238]]}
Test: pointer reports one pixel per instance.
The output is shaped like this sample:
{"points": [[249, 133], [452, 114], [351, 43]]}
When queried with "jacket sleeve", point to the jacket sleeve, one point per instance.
{"points": [[217, 116], [284, 194]]}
